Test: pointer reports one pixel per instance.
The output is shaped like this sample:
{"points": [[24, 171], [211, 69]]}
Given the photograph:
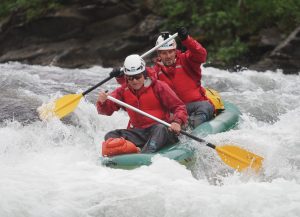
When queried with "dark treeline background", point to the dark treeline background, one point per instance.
{"points": [[235, 32], [232, 28]]}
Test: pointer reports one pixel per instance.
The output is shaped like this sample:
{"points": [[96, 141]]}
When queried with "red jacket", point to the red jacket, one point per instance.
{"points": [[184, 77], [156, 99]]}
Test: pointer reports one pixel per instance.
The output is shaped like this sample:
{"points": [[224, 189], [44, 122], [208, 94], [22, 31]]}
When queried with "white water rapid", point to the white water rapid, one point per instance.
{"points": [[51, 169]]}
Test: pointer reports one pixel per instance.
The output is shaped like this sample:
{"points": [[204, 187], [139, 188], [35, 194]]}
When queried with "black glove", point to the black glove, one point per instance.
{"points": [[116, 72], [165, 35], [182, 33]]}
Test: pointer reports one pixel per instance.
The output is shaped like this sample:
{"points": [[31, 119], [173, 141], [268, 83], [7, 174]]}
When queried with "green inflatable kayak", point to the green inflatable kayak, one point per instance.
{"points": [[180, 152]]}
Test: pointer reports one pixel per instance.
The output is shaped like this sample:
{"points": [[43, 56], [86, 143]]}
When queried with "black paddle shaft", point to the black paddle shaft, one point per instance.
{"points": [[97, 85], [197, 139]]}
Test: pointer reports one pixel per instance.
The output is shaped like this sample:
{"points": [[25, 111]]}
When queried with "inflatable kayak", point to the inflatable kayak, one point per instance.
{"points": [[180, 152]]}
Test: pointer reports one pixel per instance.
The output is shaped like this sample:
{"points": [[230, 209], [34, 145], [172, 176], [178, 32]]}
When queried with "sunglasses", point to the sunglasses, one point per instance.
{"points": [[136, 77]]}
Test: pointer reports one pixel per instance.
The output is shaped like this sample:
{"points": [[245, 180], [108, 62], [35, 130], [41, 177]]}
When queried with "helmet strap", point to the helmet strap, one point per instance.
{"points": [[145, 74]]}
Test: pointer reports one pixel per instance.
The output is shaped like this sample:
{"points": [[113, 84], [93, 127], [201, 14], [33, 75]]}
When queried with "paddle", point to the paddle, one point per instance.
{"points": [[235, 157], [67, 104]]}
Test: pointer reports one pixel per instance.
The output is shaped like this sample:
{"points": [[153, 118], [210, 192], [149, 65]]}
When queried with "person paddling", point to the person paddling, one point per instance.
{"points": [[150, 95], [182, 72]]}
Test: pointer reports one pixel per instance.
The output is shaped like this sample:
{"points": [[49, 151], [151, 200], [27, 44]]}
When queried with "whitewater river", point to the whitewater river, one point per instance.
{"points": [[51, 169]]}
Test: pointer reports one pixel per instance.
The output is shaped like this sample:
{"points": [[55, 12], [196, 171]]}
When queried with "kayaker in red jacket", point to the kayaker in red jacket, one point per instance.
{"points": [[151, 96], [182, 72]]}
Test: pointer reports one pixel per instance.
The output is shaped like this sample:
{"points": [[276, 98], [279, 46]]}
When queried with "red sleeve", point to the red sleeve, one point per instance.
{"points": [[171, 102], [195, 54], [109, 107], [192, 59]]}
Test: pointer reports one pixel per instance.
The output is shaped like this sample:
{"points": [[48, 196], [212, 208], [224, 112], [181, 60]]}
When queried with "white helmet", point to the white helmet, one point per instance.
{"points": [[134, 64], [167, 46]]}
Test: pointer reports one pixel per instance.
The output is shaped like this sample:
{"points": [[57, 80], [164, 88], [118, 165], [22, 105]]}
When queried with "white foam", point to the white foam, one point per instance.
{"points": [[52, 168]]}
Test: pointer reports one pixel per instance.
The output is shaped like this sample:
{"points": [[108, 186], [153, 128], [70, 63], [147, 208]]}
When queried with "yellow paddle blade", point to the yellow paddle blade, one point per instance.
{"points": [[239, 158], [60, 108]]}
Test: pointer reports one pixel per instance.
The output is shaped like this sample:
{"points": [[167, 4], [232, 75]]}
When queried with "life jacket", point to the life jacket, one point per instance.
{"points": [[148, 102], [117, 146], [215, 98], [183, 84]]}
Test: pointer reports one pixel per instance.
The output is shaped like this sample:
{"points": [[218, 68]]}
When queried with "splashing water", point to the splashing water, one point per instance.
{"points": [[52, 168]]}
